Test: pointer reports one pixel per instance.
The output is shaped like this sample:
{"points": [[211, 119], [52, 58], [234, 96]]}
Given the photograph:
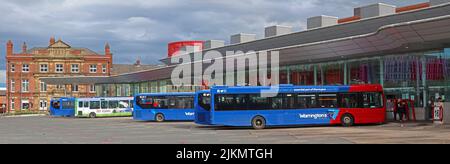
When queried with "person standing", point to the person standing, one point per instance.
{"points": [[440, 104], [401, 110]]}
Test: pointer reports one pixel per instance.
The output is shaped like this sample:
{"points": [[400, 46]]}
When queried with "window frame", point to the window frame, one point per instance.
{"points": [[104, 69], [92, 87], [59, 69], [92, 68], [75, 88], [12, 86], [43, 69], [12, 68], [25, 85], [26, 69], [42, 86], [72, 68]]}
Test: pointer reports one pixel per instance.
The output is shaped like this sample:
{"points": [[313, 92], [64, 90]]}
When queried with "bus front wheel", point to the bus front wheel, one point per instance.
{"points": [[259, 123], [92, 115], [347, 120], [159, 117]]}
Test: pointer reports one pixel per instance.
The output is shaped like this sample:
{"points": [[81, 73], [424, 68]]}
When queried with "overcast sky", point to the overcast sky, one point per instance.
{"points": [[2, 78], [142, 28]]}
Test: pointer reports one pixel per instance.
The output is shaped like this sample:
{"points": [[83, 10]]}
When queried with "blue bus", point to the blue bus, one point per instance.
{"points": [[62, 107], [162, 107], [293, 105]]}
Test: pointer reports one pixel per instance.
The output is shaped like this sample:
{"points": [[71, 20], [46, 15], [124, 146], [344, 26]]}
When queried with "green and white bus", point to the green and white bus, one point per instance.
{"points": [[104, 107], [93, 107]]}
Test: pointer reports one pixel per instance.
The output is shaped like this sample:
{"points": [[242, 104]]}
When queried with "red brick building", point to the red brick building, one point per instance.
{"points": [[25, 92], [2, 101]]}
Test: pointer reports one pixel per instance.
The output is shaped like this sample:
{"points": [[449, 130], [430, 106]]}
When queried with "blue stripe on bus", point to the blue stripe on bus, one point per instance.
{"points": [[281, 89], [278, 117]]}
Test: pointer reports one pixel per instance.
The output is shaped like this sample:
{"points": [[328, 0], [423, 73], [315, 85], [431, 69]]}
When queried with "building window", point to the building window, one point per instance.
{"points": [[104, 68], [92, 88], [74, 88], [93, 68], [43, 87], [25, 68], [59, 87], [13, 86], [75, 68], [59, 68], [43, 68], [25, 105], [25, 85], [13, 68], [12, 105], [43, 105]]}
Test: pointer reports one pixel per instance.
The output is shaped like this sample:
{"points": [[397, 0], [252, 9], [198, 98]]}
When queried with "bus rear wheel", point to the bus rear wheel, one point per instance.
{"points": [[259, 123], [92, 115], [159, 117], [347, 120]]}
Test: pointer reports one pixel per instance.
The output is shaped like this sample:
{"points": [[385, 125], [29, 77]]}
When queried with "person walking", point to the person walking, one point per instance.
{"points": [[401, 110]]}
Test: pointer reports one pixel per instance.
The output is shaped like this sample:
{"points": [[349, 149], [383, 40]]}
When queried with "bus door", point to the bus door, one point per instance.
{"points": [[203, 108], [83, 108]]}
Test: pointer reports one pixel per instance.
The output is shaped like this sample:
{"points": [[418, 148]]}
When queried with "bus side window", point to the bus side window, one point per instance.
{"points": [[94, 105], [230, 102], [160, 103], [68, 105], [80, 104], [113, 104], [372, 100], [190, 102], [306, 101], [328, 100], [124, 104], [104, 104], [349, 100], [173, 102], [183, 102], [86, 104]]}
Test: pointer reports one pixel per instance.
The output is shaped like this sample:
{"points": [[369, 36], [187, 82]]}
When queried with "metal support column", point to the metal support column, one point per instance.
{"points": [[315, 74]]}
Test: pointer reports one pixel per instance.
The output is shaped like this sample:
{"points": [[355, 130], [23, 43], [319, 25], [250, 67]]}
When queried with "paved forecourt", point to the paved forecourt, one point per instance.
{"points": [[125, 130]]}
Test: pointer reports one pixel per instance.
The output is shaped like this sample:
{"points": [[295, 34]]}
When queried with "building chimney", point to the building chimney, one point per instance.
{"points": [[242, 38], [109, 55], [375, 10], [52, 41], [9, 48], [438, 2], [107, 49], [277, 30], [210, 44], [24, 48], [138, 62]]}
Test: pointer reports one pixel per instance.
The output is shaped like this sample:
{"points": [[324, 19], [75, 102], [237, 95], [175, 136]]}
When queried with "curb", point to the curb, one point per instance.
{"points": [[28, 115]]}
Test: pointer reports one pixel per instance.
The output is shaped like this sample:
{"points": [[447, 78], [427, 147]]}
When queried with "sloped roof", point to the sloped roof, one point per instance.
{"points": [[59, 44], [422, 34], [129, 68]]}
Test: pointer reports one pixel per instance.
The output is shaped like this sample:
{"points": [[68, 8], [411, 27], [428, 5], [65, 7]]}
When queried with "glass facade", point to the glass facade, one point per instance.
{"points": [[420, 76]]}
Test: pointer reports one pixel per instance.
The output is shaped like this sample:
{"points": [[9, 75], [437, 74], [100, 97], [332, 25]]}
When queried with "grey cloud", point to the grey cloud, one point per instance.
{"points": [[2, 77], [142, 28]]}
